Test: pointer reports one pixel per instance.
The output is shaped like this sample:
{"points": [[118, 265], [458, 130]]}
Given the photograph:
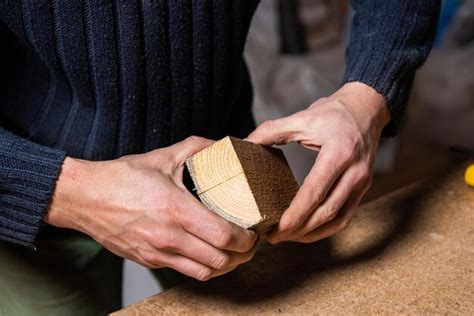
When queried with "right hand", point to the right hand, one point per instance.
{"points": [[138, 208]]}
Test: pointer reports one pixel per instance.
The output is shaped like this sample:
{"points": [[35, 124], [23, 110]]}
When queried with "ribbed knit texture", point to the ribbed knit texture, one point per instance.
{"points": [[390, 40], [28, 174], [100, 79]]}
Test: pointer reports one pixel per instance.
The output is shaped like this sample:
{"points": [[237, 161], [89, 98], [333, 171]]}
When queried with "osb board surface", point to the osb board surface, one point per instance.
{"points": [[409, 252]]}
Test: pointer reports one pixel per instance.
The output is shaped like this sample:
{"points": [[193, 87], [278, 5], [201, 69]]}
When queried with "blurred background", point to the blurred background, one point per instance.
{"points": [[295, 52]]}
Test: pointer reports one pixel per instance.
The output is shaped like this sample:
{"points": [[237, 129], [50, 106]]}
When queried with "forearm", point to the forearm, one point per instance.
{"points": [[389, 41]]}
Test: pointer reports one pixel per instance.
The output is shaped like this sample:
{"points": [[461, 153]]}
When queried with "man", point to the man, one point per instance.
{"points": [[98, 101]]}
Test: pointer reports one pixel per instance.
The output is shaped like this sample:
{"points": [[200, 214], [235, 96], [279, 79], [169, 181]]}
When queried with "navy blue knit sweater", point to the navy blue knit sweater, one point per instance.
{"points": [[100, 79]]}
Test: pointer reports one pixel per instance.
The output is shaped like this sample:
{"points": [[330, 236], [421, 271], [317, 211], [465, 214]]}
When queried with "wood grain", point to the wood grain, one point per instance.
{"points": [[248, 184]]}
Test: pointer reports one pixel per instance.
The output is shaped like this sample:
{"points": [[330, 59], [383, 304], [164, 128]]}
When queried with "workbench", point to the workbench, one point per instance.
{"points": [[409, 252]]}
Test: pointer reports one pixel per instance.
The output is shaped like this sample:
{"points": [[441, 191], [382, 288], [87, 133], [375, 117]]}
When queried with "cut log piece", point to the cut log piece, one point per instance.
{"points": [[247, 184]]}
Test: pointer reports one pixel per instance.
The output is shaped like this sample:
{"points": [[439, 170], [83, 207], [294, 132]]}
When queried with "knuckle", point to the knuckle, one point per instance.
{"points": [[203, 274], [149, 259], [220, 262], [160, 155], [171, 211], [166, 216], [350, 154], [167, 242], [316, 193], [193, 139], [364, 173], [329, 213], [350, 149], [272, 129], [168, 162], [223, 238], [146, 234]]}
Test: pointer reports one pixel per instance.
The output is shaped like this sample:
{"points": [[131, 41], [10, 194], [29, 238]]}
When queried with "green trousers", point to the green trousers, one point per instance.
{"points": [[66, 275]]}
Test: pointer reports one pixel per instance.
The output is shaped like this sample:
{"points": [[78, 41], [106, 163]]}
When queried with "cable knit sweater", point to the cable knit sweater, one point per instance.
{"points": [[99, 79]]}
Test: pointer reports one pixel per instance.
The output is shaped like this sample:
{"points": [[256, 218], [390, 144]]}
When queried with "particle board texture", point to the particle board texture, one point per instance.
{"points": [[409, 252], [248, 184]]}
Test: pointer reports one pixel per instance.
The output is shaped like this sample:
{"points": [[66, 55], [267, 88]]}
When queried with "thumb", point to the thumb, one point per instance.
{"points": [[189, 147], [274, 132]]}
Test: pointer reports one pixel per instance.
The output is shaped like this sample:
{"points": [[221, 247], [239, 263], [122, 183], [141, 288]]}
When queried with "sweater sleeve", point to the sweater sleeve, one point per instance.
{"points": [[28, 174], [389, 41]]}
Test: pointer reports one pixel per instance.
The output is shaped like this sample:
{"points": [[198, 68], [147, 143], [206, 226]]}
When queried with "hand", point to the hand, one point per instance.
{"points": [[138, 208], [345, 128]]}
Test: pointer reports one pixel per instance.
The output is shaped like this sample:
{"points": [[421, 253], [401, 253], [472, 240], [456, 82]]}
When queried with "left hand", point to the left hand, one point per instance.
{"points": [[345, 128]]}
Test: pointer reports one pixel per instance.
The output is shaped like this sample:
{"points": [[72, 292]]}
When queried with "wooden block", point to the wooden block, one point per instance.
{"points": [[248, 184]]}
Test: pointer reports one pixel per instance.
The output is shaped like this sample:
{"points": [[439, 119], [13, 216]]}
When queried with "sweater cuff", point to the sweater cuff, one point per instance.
{"points": [[28, 174], [393, 87]]}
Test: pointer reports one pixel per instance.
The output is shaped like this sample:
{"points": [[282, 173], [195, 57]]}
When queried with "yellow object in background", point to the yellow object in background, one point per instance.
{"points": [[469, 175]]}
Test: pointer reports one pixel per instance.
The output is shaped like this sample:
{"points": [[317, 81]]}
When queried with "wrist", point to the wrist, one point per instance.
{"points": [[65, 207], [367, 102]]}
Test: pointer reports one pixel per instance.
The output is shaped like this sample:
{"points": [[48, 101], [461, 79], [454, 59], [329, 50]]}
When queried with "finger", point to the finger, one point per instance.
{"points": [[329, 165], [172, 158], [181, 151], [341, 221], [188, 147], [202, 252], [222, 272], [276, 131], [213, 229], [347, 183], [192, 268]]}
